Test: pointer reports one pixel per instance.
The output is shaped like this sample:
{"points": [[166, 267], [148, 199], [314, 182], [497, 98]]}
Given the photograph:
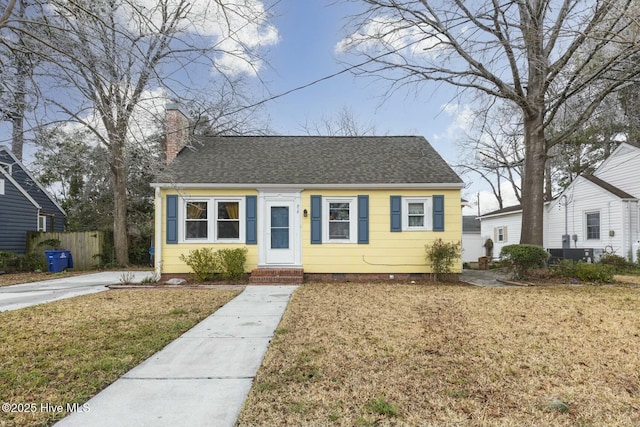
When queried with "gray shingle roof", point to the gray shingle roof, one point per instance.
{"points": [[470, 224], [310, 160]]}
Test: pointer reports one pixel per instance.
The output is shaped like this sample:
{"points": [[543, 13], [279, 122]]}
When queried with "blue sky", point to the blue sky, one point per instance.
{"points": [[309, 31]]}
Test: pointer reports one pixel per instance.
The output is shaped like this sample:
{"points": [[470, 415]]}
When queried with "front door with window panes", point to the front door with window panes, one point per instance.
{"points": [[280, 233]]}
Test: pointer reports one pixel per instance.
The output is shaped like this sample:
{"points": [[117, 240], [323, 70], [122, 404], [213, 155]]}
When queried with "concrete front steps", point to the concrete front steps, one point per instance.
{"points": [[276, 276]]}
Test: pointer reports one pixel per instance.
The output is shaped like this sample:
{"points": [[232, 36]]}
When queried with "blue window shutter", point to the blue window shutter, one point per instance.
{"points": [[363, 219], [316, 219], [438, 213], [396, 213], [251, 220], [172, 219]]}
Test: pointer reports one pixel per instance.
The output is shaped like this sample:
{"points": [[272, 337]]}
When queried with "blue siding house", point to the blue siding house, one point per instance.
{"points": [[24, 205]]}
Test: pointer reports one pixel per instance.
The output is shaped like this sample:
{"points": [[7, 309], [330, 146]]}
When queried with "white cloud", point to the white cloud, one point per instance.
{"points": [[146, 120], [234, 30], [388, 34], [462, 117], [237, 28]]}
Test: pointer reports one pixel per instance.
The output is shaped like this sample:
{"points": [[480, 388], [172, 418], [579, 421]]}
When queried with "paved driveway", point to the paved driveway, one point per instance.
{"points": [[25, 295]]}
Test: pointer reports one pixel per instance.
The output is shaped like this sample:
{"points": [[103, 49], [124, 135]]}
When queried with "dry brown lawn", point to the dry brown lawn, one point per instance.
{"points": [[421, 355], [66, 351], [19, 278]]}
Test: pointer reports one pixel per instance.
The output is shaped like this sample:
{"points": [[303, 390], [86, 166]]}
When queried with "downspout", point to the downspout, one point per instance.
{"points": [[630, 239], [157, 258]]}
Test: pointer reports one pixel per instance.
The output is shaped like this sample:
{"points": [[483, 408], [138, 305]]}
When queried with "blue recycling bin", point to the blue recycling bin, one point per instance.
{"points": [[152, 256], [58, 260]]}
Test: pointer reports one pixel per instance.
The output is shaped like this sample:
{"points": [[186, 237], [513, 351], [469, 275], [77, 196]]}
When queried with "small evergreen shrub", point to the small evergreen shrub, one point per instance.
{"points": [[586, 272], [565, 268], [520, 258], [8, 261], [596, 273], [442, 255], [207, 263], [232, 262], [618, 263], [11, 262], [203, 262]]}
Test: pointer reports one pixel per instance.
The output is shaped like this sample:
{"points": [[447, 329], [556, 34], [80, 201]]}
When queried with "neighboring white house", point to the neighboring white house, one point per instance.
{"points": [[472, 242], [598, 211], [503, 227]]}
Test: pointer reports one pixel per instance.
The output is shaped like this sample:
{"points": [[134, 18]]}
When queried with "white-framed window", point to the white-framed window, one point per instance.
{"points": [[213, 219], [500, 234], [592, 222], [196, 220], [416, 213], [1, 187], [341, 220], [42, 223]]}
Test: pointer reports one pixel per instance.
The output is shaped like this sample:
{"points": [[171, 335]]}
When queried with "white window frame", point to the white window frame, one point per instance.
{"points": [[353, 219], [586, 226], [428, 213], [42, 222], [1, 187], [500, 235], [212, 219]]}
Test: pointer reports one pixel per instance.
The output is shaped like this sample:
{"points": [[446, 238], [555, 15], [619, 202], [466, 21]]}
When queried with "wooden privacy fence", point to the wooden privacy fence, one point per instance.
{"points": [[85, 246]]}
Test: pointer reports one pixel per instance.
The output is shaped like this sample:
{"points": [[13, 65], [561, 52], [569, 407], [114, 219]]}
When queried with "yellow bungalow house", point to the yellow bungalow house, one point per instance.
{"points": [[325, 207]]}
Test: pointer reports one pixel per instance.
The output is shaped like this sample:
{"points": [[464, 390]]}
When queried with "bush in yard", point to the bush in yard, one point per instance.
{"points": [[232, 262], [597, 273], [8, 261], [586, 272], [565, 268], [618, 263], [520, 258], [203, 262], [442, 255]]}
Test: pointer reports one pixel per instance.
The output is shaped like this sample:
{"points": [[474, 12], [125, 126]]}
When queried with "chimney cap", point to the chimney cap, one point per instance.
{"points": [[174, 106]]}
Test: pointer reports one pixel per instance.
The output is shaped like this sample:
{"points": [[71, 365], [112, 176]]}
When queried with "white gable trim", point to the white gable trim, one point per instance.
{"points": [[46, 193], [623, 146], [20, 189]]}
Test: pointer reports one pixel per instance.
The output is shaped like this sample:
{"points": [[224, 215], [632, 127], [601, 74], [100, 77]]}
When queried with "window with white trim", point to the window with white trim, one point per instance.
{"points": [[1, 187], [341, 220], [592, 220], [501, 234], [196, 224], [416, 213], [213, 219], [42, 223]]}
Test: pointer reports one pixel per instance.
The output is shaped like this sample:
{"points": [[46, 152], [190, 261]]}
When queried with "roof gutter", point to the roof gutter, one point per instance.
{"points": [[446, 186]]}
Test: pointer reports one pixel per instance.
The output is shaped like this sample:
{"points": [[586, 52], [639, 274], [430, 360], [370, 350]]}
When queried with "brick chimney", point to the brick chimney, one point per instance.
{"points": [[177, 131]]}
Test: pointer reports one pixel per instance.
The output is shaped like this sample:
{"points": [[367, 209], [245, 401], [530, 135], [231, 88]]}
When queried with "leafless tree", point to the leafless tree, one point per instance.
{"points": [[536, 54], [107, 56], [493, 150], [343, 123]]}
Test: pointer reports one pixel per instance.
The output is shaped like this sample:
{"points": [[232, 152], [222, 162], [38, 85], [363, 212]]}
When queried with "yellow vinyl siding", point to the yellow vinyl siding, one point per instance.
{"points": [[386, 252], [171, 253]]}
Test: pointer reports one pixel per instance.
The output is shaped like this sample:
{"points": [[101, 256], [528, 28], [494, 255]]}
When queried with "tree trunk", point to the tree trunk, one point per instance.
{"points": [[119, 179], [533, 181]]}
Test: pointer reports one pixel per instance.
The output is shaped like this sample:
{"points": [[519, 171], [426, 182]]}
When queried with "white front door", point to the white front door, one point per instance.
{"points": [[280, 243]]}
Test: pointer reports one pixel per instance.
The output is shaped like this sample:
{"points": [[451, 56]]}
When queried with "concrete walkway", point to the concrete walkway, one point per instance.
{"points": [[488, 278], [27, 294], [200, 379]]}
